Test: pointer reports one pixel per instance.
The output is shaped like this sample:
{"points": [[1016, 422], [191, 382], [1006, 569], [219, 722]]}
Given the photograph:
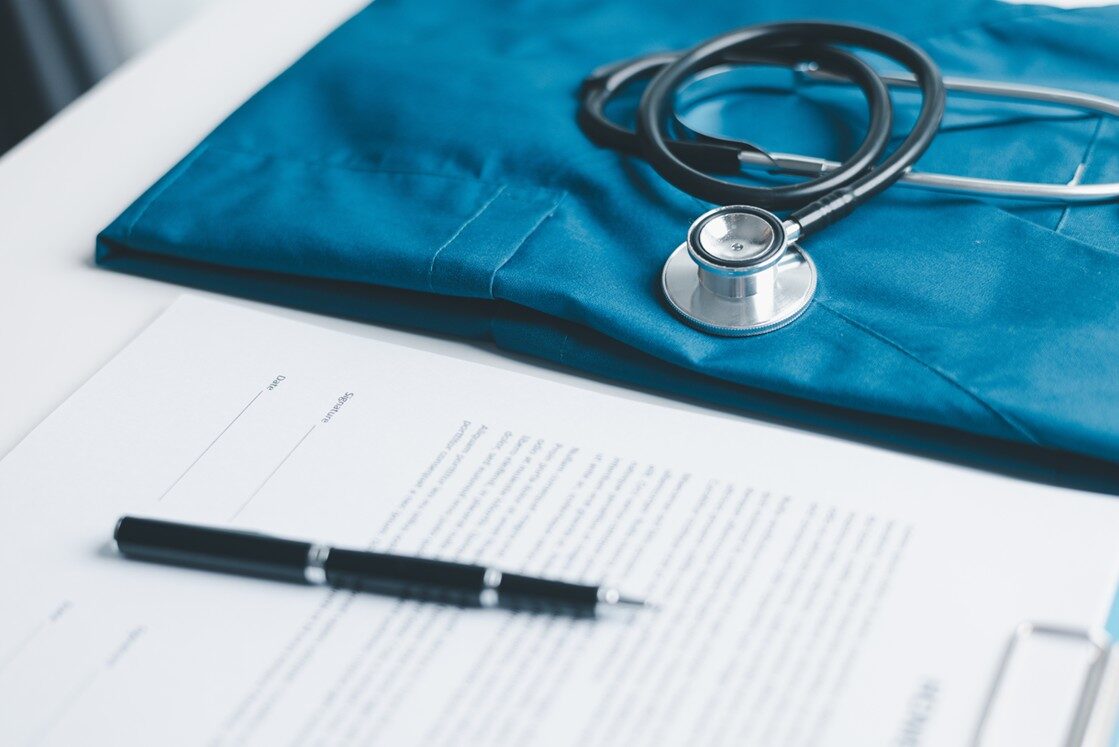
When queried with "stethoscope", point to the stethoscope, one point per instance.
{"points": [[739, 271]]}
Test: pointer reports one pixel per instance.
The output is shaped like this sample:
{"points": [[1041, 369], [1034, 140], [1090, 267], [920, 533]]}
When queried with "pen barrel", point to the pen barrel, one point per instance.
{"points": [[227, 551], [520, 591], [456, 583], [393, 574]]}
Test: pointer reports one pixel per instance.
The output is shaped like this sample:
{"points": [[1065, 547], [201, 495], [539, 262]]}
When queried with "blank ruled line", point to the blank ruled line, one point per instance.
{"points": [[67, 703], [223, 430], [270, 474], [24, 643]]}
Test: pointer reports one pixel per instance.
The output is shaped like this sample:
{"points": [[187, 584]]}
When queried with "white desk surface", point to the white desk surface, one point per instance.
{"points": [[62, 318]]}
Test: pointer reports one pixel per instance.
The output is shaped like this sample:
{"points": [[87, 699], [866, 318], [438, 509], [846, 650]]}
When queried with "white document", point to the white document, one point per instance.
{"points": [[810, 591]]}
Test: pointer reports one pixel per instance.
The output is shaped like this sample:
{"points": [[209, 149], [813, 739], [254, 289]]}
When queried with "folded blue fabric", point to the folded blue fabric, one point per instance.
{"points": [[422, 166]]}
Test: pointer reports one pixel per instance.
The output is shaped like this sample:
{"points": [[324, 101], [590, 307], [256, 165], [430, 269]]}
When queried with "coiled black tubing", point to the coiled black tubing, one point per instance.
{"points": [[694, 166]]}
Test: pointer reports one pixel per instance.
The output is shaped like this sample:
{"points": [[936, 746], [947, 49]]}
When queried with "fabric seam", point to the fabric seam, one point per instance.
{"points": [[457, 233], [524, 239], [564, 344], [1005, 419]]}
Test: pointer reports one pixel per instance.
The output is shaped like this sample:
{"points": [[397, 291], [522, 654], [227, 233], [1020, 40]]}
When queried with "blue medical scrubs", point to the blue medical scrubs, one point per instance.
{"points": [[422, 167]]}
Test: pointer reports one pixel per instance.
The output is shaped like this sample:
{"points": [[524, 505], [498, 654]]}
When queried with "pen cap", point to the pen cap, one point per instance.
{"points": [[214, 549]]}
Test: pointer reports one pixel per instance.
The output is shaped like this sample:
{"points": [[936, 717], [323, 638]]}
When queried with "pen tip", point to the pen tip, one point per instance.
{"points": [[632, 602], [610, 597]]}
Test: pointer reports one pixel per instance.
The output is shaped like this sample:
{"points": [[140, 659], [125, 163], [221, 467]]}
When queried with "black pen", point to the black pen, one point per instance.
{"points": [[260, 555]]}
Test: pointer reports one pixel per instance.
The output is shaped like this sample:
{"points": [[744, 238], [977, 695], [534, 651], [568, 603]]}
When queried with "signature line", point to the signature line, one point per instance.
{"points": [[274, 471], [196, 459]]}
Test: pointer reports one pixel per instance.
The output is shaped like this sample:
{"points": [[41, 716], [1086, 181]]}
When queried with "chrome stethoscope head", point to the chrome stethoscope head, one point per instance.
{"points": [[738, 273]]}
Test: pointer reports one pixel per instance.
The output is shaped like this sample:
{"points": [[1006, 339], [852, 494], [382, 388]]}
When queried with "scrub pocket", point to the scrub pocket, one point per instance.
{"points": [[440, 233]]}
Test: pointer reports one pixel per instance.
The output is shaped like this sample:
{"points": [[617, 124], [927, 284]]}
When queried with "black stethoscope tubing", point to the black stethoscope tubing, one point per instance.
{"points": [[689, 165]]}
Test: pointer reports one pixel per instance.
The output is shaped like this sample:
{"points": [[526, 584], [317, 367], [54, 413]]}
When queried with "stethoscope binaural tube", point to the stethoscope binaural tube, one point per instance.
{"points": [[739, 272], [709, 86]]}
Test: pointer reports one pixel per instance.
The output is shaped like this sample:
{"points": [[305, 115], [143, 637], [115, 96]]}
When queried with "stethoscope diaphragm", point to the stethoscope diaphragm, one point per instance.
{"points": [[739, 273]]}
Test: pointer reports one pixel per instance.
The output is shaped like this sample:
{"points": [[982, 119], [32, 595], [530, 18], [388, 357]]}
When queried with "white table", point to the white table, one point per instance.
{"points": [[62, 318]]}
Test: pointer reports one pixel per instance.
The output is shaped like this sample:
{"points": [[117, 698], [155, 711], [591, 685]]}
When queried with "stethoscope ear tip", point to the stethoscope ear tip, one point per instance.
{"points": [[738, 273]]}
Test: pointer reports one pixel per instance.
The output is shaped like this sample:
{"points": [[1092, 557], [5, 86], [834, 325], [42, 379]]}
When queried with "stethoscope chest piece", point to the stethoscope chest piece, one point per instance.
{"points": [[739, 274]]}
